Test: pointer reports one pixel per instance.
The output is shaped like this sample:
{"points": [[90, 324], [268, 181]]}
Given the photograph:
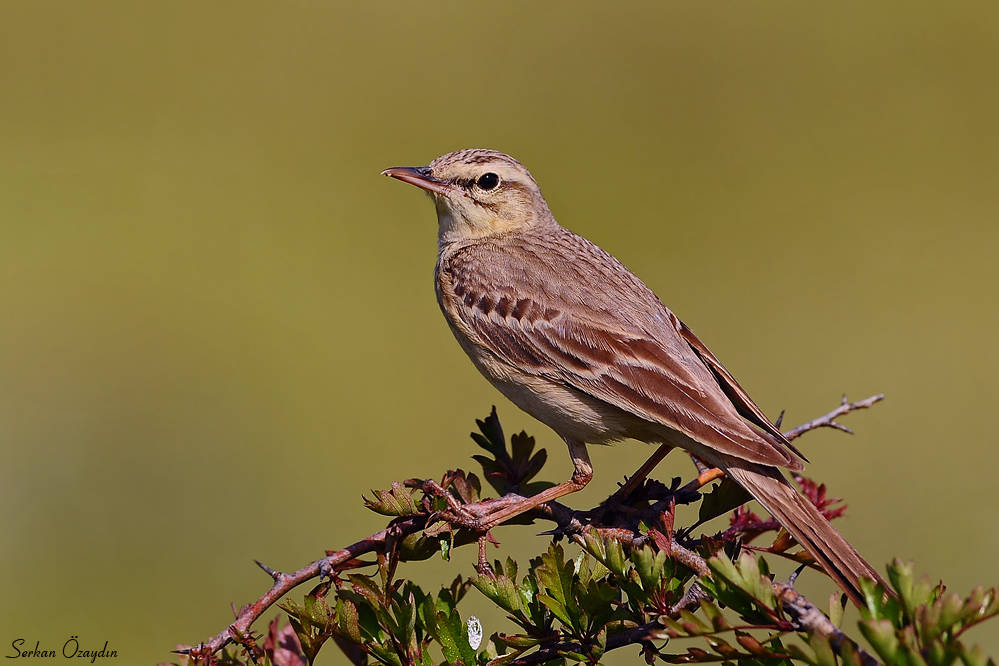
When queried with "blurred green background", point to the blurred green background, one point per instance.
{"points": [[217, 321]]}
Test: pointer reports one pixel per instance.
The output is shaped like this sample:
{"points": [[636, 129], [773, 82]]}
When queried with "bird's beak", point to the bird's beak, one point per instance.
{"points": [[419, 176]]}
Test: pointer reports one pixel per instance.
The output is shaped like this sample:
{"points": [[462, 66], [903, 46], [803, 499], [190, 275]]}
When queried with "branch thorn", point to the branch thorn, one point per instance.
{"points": [[833, 424], [794, 575], [325, 571], [276, 575]]}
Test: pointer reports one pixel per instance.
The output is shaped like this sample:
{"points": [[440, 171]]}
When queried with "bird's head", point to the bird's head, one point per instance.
{"points": [[478, 193]]}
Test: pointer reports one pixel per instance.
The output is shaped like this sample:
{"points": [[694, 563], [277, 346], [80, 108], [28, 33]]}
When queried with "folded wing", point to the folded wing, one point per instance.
{"points": [[643, 362]]}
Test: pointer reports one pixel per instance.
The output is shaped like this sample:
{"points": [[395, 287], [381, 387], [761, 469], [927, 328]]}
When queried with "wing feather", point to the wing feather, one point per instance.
{"points": [[743, 403], [635, 356]]}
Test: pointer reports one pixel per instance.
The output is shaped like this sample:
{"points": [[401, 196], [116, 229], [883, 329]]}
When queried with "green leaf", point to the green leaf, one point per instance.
{"points": [[555, 576], [557, 609], [881, 635], [837, 605], [427, 614], [714, 615], [693, 624], [877, 605], [384, 654], [405, 616], [367, 588], [595, 601], [371, 629], [518, 641], [399, 501], [649, 564], [501, 590], [608, 551], [319, 611], [824, 655], [581, 567], [741, 586], [599, 645], [726, 496], [797, 653], [347, 621], [511, 568], [450, 633], [687, 624]]}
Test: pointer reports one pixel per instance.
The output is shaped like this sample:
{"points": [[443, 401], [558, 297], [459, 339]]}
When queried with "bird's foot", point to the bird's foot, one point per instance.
{"points": [[482, 566], [479, 517]]}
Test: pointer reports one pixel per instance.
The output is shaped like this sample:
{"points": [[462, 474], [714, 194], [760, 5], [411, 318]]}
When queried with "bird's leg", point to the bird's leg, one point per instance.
{"points": [[580, 477], [482, 566], [643, 472], [703, 479], [698, 463], [705, 475]]}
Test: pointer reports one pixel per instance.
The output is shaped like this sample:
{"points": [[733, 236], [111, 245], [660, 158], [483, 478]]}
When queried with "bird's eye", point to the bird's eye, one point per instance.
{"points": [[488, 181]]}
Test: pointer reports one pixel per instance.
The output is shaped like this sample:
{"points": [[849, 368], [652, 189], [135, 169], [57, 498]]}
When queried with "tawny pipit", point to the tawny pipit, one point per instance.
{"points": [[573, 338]]}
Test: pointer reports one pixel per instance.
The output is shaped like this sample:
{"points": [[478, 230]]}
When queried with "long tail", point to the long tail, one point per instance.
{"points": [[809, 527]]}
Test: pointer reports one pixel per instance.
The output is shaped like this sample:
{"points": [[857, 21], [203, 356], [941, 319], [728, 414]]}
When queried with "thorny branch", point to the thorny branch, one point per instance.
{"points": [[807, 617], [829, 420], [706, 475], [570, 523], [285, 582]]}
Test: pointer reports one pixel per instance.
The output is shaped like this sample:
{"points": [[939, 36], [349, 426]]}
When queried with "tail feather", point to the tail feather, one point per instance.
{"points": [[806, 524]]}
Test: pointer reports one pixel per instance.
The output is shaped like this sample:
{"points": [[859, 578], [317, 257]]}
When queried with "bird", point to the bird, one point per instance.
{"points": [[572, 337]]}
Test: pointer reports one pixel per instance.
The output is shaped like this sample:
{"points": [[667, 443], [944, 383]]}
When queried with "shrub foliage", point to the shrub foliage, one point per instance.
{"points": [[622, 575]]}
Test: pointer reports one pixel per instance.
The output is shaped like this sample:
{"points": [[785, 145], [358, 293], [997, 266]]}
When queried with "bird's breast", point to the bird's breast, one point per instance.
{"points": [[571, 413]]}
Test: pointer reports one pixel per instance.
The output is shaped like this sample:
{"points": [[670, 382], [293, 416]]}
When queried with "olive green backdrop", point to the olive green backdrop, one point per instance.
{"points": [[217, 322]]}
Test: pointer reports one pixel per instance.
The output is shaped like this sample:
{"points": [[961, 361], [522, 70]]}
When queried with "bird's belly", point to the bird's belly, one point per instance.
{"points": [[571, 413]]}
